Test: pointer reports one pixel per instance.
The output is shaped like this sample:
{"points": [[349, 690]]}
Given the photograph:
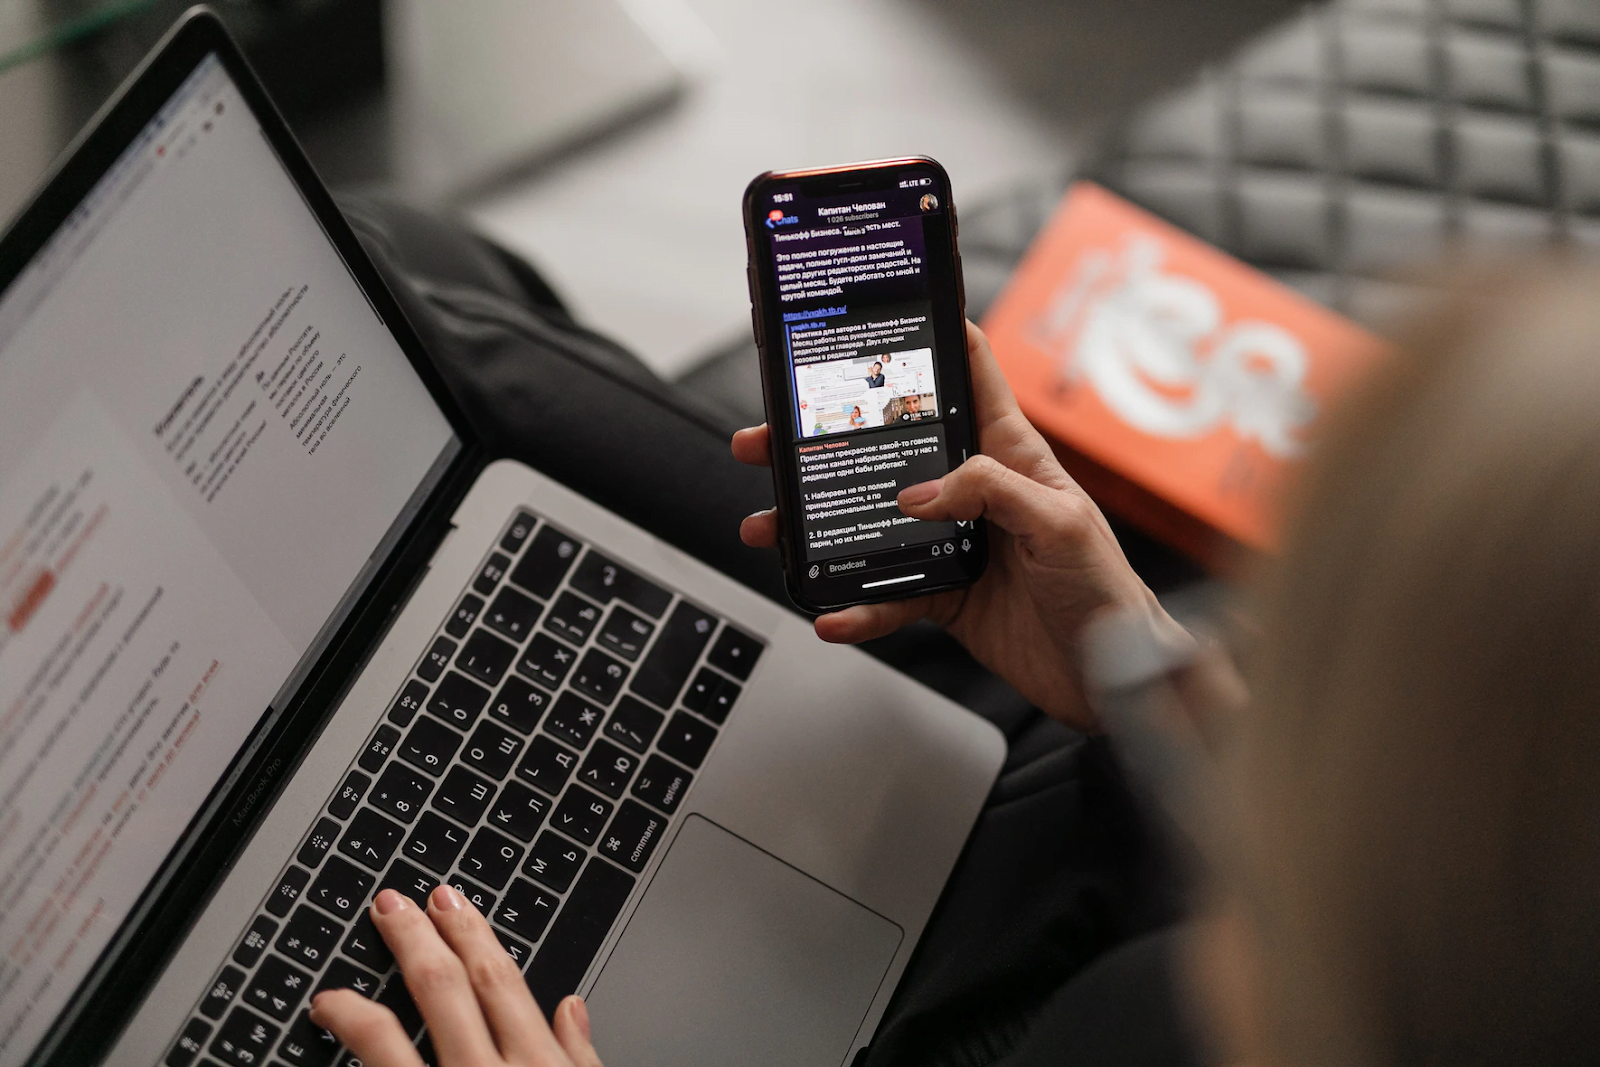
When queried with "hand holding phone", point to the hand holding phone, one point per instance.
{"points": [[1054, 562]]}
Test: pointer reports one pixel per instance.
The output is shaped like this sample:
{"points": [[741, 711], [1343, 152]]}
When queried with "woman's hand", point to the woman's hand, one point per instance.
{"points": [[477, 1006], [1053, 561]]}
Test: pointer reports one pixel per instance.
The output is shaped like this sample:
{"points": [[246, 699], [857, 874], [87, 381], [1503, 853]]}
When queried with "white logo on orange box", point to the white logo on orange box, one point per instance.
{"points": [[1154, 347]]}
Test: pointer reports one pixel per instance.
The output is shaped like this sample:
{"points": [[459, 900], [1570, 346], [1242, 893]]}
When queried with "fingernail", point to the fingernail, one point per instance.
{"points": [[580, 1015], [916, 495], [316, 1008], [445, 898], [389, 901]]}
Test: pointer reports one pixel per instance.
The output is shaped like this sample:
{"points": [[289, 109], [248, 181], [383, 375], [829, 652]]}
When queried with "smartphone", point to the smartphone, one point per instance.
{"points": [[859, 314]]}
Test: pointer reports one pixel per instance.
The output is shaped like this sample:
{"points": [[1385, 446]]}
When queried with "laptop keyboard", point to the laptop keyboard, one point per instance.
{"points": [[534, 760]]}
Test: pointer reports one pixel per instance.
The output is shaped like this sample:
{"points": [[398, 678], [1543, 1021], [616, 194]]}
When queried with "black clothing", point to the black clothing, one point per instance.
{"points": [[874, 381]]}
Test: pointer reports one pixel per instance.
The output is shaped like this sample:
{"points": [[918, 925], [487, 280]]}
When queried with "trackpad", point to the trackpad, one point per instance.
{"points": [[736, 958]]}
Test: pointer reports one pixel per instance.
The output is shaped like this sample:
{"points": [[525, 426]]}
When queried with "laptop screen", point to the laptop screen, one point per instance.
{"points": [[207, 437]]}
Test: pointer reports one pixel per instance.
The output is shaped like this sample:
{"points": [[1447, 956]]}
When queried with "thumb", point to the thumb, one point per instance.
{"points": [[982, 487], [572, 1031]]}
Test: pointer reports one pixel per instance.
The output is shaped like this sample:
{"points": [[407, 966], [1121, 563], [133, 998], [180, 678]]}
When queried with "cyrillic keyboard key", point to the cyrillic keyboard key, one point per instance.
{"points": [[429, 746], [517, 534], [397, 998], [411, 882], [608, 769], [408, 703], [189, 1043], [463, 795], [599, 676], [400, 792], [687, 739], [573, 719], [222, 993], [512, 614], [435, 843], [491, 858], [634, 723], [287, 891], [306, 1044], [342, 974], [625, 633], [458, 701], [548, 558], [547, 765], [546, 661], [519, 811], [255, 942], [341, 888], [378, 749], [683, 636], [553, 861], [526, 909], [581, 815], [492, 749], [344, 802], [245, 1040], [603, 579], [577, 933], [466, 614], [521, 704], [489, 576], [486, 657], [365, 945], [309, 938], [572, 617], [519, 952], [662, 783], [475, 894], [735, 652], [437, 659], [632, 835], [277, 989]]}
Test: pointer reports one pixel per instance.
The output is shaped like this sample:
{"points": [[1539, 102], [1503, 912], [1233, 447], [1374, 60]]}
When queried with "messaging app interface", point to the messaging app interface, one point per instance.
{"points": [[857, 332]]}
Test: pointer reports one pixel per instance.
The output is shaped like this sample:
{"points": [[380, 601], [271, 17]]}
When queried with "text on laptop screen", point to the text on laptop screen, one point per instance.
{"points": [[206, 435]]}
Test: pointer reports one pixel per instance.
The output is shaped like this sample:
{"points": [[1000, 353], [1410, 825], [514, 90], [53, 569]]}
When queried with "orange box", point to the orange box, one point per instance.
{"points": [[1178, 385]]}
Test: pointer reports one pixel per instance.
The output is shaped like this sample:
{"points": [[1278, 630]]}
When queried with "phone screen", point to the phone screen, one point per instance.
{"points": [[863, 323]]}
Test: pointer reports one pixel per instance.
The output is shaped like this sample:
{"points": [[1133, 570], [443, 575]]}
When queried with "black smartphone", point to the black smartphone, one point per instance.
{"points": [[859, 312]]}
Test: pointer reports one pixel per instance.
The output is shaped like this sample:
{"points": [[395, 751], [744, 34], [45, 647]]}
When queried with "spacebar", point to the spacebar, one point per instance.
{"points": [[576, 934]]}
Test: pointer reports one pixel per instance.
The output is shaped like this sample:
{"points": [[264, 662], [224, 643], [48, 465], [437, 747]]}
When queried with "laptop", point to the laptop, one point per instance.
{"points": [[277, 634]]}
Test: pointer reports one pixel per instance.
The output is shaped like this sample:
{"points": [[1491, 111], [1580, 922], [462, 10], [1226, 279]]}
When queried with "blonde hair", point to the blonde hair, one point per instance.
{"points": [[1418, 780]]}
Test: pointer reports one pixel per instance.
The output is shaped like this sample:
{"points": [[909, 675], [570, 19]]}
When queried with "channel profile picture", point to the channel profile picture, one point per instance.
{"points": [[930, 202]]}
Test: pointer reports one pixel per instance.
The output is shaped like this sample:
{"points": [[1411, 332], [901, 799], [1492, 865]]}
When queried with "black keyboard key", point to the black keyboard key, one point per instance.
{"points": [[698, 696], [400, 792], [517, 534], [344, 802], [365, 945], [321, 839], [735, 652], [371, 839], [429, 746], [572, 617], [189, 1043], [546, 562], [309, 938], [599, 676], [277, 989], [305, 1044], [633, 835], [458, 700], [397, 998], [581, 815], [411, 882], [521, 704], [512, 614], [475, 894], [553, 861], [722, 701], [466, 614], [547, 765], [603, 579], [378, 749], [255, 942], [634, 724], [486, 657], [575, 936], [425, 1052], [287, 891], [437, 659], [491, 858], [408, 703], [608, 769], [245, 1040], [687, 739], [341, 888], [491, 573], [342, 974], [573, 719], [662, 783], [435, 843], [222, 992], [519, 951], [492, 749], [463, 795], [519, 811], [546, 661], [625, 633], [683, 636], [526, 909]]}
